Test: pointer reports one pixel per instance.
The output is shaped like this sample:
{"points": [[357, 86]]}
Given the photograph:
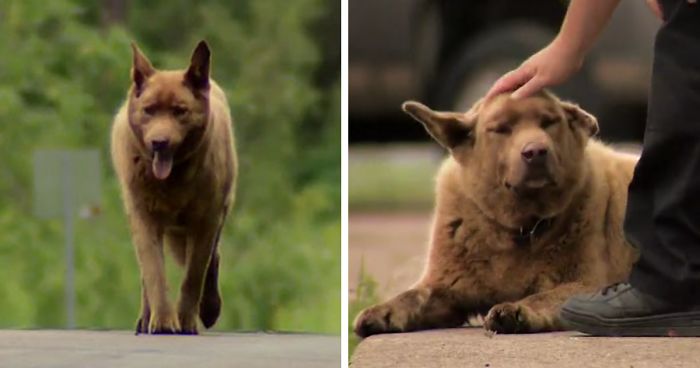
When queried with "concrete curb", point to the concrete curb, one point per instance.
{"points": [[74, 349], [471, 347]]}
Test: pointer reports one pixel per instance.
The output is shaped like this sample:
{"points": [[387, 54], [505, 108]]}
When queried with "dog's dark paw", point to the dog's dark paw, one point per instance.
{"points": [[188, 323], [366, 324], [507, 318], [379, 319], [210, 309], [141, 326], [188, 331], [210, 302]]}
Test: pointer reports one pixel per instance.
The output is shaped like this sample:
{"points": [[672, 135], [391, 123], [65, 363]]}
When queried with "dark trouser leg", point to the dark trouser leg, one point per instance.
{"points": [[663, 212]]}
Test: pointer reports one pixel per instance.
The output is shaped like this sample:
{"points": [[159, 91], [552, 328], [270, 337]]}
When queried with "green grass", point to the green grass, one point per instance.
{"points": [[387, 178], [398, 177], [365, 296]]}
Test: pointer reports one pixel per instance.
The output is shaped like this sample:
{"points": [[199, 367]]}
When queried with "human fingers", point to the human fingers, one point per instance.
{"points": [[532, 86], [510, 81]]}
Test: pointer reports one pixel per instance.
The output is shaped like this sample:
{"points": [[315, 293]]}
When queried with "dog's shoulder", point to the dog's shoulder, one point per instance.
{"points": [[449, 184], [612, 173], [221, 132], [617, 167], [122, 145], [454, 204]]}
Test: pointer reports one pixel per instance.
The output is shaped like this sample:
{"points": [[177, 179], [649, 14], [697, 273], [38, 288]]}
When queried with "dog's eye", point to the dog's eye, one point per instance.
{"points": [[179, 111], [547, 122], [150, 109], [501, 129]]}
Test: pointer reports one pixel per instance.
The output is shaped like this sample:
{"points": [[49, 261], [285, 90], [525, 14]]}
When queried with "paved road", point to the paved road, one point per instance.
{"points": [[471, 347], [96, 349], [390, 246]]}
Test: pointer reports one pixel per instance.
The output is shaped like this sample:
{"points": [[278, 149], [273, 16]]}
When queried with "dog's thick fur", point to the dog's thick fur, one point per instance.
{"points": [[173, 151], [488, 196]]}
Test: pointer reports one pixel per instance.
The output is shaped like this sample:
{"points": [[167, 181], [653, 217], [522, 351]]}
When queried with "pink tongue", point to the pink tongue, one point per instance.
{"points": [[162, 164]]}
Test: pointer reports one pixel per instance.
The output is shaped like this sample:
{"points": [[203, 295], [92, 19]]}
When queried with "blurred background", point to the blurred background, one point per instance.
{"points": [[447, 53], [64, 71]]}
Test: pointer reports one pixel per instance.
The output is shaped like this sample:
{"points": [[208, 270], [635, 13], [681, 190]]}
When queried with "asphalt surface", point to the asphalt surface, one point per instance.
{"points": [[390, 247], [472, 347], [94, 349]]}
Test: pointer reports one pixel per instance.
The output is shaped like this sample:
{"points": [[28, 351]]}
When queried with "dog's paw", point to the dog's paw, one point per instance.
{"points": [[164, 324], [379, 319], [508, 318], [142, 322], [141, 326], [210, 309], [188, 324]]}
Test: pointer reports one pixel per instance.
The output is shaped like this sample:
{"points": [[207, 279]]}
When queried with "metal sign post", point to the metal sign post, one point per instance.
{"points": [[64, 182]]}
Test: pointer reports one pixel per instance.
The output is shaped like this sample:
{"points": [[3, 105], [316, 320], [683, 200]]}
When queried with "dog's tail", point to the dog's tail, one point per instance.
{"points": [[210, 304]]}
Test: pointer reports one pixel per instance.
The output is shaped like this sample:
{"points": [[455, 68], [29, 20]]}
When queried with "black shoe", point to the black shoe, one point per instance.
{"points": [[622, 310]]}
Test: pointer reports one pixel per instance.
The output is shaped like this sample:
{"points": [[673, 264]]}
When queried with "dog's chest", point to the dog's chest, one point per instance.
{"points": [[491, 263], [186, 193]]}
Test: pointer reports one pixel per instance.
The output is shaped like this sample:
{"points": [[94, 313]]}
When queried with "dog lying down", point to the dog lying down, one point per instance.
{"points": [[529, 211]]}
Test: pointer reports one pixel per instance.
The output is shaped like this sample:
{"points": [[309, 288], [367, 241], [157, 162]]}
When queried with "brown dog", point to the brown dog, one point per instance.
{"points": [[528, 212], [173, 151]]}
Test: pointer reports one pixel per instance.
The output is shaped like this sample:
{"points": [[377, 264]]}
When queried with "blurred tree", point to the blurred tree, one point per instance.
{"points": [[65, 70], [113, 11]]}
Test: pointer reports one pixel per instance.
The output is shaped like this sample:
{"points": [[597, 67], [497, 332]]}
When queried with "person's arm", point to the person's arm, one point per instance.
{"points": [[656, 9], [554, 64], [584, 21]]}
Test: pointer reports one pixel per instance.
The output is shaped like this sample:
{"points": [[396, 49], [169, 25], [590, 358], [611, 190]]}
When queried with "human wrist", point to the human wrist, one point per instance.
{"points": [[570, 49]]}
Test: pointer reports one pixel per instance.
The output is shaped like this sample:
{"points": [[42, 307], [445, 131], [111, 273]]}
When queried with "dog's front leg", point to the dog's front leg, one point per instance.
{"points": [[200, 246], [156, 311], [419, 308], [535, 313], [145, 319]]}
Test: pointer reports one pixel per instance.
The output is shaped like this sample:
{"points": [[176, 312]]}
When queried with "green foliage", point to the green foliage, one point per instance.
{"points": [[63, 73], [365, 296], [395, 178]]}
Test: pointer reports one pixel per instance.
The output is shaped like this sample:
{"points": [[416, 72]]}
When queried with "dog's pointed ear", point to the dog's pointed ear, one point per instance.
{"points": [[197, 75], [450, 129], [579, 118], [141, 68]]}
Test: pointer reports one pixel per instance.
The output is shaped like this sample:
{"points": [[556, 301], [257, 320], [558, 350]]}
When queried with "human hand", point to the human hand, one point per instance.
{"points": [[550, 66]]}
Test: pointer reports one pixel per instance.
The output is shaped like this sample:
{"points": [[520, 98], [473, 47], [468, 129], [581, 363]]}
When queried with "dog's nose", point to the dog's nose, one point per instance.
{"points": [[534, 153], [159, 144]]}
